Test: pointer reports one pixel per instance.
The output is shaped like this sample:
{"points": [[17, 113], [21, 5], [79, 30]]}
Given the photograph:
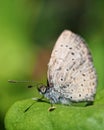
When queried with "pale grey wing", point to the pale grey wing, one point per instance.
{"points": [[70, 69]]}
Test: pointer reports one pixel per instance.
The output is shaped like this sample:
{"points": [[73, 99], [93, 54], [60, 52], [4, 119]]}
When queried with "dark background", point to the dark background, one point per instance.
{"points": [[28, 31]]}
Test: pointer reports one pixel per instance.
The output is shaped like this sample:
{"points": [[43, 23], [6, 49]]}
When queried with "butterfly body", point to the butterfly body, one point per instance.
{"points": [[56, 97]]}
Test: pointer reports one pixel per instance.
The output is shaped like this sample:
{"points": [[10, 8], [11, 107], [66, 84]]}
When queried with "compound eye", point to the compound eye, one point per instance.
{"points": [[43, 89]]}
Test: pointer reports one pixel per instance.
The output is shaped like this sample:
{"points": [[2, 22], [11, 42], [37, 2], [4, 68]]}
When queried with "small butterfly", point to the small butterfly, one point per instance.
{"points": [[71, 73]]}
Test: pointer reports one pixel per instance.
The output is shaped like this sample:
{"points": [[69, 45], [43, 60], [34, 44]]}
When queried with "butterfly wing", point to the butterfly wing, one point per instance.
{"points": [[70, 69]]}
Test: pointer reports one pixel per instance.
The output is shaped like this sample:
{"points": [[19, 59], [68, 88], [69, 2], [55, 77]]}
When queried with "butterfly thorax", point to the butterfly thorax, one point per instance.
{"points": [[54, 96]]}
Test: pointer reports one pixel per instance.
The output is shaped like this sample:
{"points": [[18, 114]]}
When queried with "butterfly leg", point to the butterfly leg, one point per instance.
{"points": [[51, 108], [38, 99]]}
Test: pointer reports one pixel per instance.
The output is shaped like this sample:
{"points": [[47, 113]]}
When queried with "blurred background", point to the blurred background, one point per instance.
{"points": [[28, 31]]}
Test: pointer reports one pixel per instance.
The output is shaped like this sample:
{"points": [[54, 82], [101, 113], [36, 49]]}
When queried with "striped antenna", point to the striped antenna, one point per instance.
{"points": [[28, 81]]}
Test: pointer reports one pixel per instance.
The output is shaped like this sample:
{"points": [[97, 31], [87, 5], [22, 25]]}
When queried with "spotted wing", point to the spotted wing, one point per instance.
{"points": [[70, 69]]}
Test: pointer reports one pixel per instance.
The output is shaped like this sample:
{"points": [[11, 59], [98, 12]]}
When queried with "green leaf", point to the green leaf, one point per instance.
{"points": [[25, 116]]}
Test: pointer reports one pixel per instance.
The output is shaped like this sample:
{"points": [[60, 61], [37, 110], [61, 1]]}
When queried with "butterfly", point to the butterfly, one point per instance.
{"points": [[71, 73]]}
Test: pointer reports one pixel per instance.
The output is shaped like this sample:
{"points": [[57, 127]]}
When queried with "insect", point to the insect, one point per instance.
{"points": [[71, 76], [71, 73]]}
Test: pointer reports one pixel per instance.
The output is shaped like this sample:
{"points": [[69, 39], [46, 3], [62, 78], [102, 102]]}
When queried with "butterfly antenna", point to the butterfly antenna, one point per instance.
{"points": [[29, 81], [15, 81]]}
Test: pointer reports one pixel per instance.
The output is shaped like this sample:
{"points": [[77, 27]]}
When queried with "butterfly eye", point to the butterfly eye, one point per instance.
{"points": [[42, 89]]}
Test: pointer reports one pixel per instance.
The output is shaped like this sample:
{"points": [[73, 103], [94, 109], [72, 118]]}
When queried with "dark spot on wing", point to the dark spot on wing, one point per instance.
{"points": [[81, 84], [72, 53], [61, 79], [70, 48], [59, 68], [55, 50], [73, 69], [86, 94], [93, 83], [64, 86], [83, 74], [67, 69]]}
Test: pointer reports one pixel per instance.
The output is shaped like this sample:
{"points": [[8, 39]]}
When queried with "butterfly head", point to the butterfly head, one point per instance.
{"points": [[42, 89]]}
